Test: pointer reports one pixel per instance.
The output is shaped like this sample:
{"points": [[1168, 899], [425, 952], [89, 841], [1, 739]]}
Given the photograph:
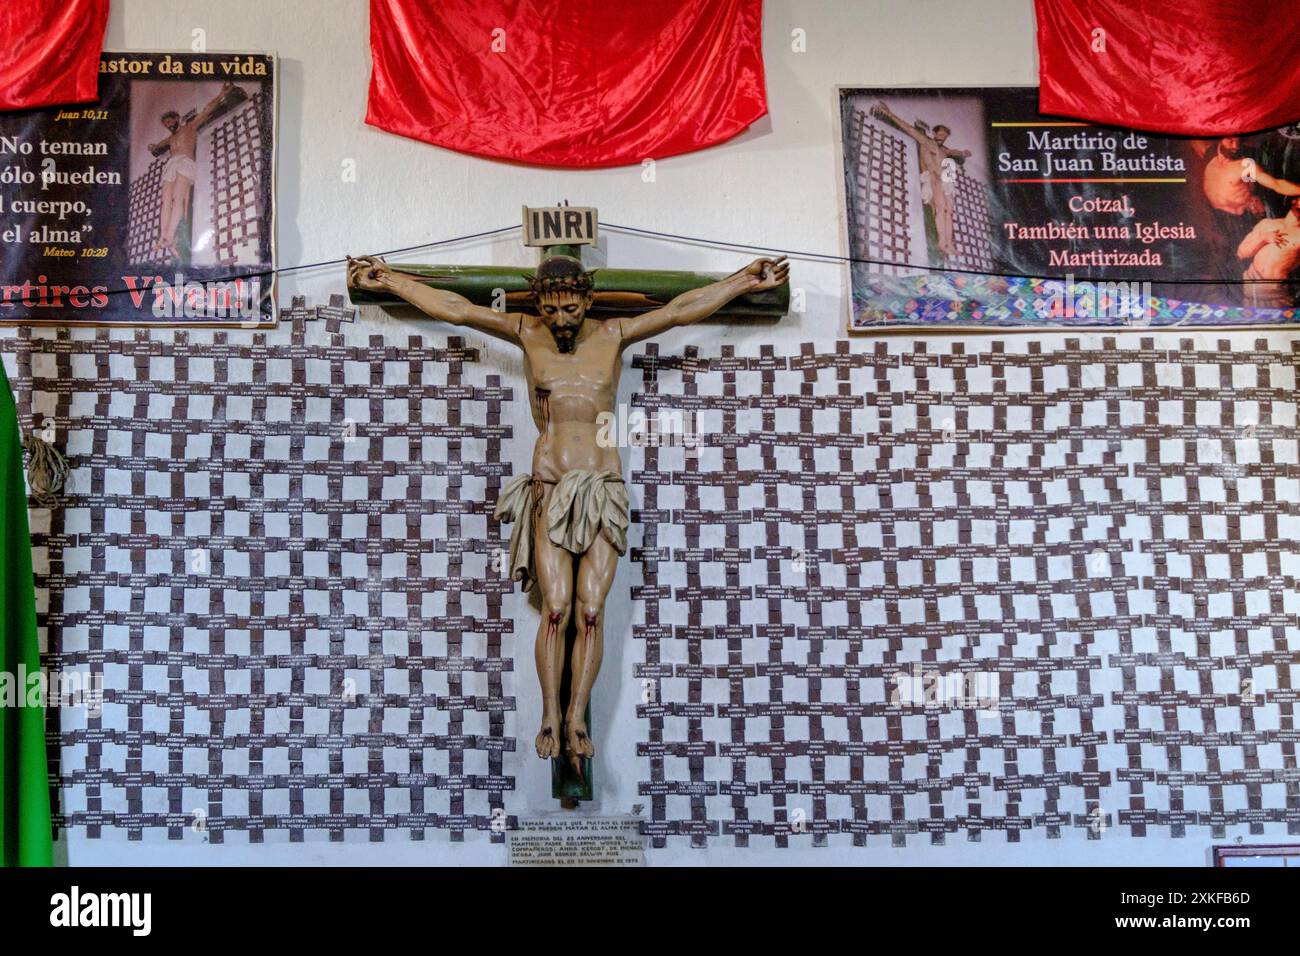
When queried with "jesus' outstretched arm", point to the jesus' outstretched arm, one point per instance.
{"points": [[372, 274], [881, 111], [700, 303]]}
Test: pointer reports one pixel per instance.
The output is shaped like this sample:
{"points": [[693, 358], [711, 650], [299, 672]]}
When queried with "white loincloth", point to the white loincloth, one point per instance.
{"points": [[178, 166]]}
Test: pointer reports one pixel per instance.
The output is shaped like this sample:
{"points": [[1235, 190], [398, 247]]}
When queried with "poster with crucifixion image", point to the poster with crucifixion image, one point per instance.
{"points": [[968, 209], [154, 205]]}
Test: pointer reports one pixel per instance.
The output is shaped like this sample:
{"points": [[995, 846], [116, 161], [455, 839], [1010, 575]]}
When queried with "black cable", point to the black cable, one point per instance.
{"points": [[829, 257], [334, 262]]}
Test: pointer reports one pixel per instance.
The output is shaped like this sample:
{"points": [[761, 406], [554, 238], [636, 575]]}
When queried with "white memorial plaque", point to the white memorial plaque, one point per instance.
{"points": [[578, 841]]}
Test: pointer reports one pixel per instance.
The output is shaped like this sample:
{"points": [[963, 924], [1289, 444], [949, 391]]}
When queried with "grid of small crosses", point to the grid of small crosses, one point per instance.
{"points": [[236, 159], [274, 550], [971, 225], [878, 189], [144, 214], [1099, 545]]}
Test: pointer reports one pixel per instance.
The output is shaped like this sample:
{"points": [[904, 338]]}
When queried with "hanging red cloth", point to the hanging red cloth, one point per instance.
{"points": [[49, 51], [1192, 67], [567, 82]]}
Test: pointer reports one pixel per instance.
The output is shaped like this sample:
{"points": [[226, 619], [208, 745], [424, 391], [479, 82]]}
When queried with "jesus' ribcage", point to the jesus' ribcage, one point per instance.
{"points": [[542, 408]]}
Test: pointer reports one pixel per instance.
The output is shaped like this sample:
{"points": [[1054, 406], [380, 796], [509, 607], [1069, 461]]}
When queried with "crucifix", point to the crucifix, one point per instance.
{"points": [[570, 509]]}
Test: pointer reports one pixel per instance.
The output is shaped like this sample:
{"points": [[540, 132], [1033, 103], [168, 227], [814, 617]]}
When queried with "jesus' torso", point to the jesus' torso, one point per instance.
{"points": [[184, 142], [930, 155], [568, 392]]}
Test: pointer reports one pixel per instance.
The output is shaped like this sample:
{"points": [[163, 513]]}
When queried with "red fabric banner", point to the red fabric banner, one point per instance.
{"points": [[49, 51], [567, 82], [1192, 67]]}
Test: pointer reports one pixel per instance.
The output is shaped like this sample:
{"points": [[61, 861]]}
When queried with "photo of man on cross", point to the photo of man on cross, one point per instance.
{"points": [[179, 171], [934, 159], [571, 509]]}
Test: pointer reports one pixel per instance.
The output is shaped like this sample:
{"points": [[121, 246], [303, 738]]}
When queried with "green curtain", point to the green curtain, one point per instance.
{"points": [[24, 788]]}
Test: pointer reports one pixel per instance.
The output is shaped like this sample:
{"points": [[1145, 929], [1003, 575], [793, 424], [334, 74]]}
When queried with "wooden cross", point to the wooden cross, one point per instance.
{"points": [[617, 291]]}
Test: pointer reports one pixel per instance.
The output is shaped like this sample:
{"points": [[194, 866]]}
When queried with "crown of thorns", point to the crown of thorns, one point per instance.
{"points": [[561, 274]]}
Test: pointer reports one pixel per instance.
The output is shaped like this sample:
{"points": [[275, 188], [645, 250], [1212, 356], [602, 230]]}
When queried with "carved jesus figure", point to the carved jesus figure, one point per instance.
{"points": [[570, 512]]}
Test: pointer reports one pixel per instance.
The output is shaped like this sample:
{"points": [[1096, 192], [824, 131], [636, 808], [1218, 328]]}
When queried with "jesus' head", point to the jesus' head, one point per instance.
{"points": [[562, 289]]}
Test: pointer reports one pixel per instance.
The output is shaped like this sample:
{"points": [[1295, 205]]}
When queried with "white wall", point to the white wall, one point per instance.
{"points": [[774, 185]]}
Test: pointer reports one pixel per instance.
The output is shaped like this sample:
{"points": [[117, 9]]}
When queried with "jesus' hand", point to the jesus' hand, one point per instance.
{"points": [[767, 273], [368, 273]]}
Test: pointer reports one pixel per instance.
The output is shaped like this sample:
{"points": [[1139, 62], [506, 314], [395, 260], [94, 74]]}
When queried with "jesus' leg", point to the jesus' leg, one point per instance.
{"points": [[554, 567], [164, 216], [595, 575], [942, 206], [180, 206]]}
